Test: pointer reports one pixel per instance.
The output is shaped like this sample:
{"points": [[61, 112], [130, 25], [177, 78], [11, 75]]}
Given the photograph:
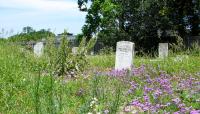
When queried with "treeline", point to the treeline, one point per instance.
{"points": [[29, 34], [145, 22], [2, 40]]}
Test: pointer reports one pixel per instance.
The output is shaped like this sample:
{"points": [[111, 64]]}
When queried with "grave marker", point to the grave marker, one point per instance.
{"points": [[38, 48], [163, 50], [75, 50], [124, 55]]}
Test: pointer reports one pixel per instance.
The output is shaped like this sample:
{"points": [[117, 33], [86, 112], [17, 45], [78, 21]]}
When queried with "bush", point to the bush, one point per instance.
{"points": [[63, 62], [194, 50]]}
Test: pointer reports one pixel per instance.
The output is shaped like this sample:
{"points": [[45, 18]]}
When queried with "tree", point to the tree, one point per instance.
{"points": [[28, 29], [145, 22], [29, 34], [186, 14]]}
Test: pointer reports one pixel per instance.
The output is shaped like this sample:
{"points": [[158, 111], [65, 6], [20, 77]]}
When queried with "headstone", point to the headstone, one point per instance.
{"points": [[38, 48], [75, 50], [124, 55], [92, 53], [163, 50]]}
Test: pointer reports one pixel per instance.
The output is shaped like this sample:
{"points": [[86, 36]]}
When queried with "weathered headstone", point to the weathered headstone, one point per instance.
{"points": [[75, 50], [163, 50], [92, 53], [124, 55], [38, 48]]}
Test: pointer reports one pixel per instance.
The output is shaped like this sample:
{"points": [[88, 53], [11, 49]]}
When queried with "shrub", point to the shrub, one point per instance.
{"points": [[63, 62], [194, 50]]}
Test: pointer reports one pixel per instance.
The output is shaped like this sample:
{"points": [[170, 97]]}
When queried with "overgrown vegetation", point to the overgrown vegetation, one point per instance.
{"points": [[63, 61], [61, 81], [30, 85]]}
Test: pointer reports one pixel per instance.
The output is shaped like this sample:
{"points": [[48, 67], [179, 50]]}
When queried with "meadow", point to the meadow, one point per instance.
{"points": [[153, 85]]}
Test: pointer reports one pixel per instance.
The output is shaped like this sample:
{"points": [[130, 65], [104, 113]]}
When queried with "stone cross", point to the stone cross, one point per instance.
{"points": [[163, 50], [124, 55], [38, 48]]}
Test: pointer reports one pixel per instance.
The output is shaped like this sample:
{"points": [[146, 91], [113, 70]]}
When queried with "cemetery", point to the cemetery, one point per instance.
{"points": [[124, 57], [112, 83]]}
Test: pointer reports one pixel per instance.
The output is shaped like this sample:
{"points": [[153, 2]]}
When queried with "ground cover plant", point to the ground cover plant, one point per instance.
{"points": [[29, 85]]}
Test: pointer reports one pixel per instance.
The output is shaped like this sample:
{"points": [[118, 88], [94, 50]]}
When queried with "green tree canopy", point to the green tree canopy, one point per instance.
{"points": [[145, 22]]}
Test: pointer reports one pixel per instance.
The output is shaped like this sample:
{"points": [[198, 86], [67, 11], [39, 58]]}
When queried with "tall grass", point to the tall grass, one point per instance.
{"points": [[16, 81], [173, 64], [27, 84], [25, 87]]}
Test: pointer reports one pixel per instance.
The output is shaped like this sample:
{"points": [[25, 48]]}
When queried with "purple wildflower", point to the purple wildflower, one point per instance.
{"points": [[138, 71], [117, 73], [195, 112], [157, 93], [176, 100], [147, 90], [135, 102], [146, 98], [148, 79], [133, 87], [178, 112], [181, 105]]}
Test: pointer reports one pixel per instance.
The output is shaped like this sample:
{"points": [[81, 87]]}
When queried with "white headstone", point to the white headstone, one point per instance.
{"points": [[38, 48], [124, 55], [163, 50], [92, 53], [75, 50]]}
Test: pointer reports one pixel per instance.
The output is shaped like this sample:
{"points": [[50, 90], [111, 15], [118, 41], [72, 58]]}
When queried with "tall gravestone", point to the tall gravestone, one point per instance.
{"points": [[163, 50], [38, 48], [124, 55]]}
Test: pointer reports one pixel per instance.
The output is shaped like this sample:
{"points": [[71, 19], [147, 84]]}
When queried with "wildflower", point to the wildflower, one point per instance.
{"points": [[195, 112], [167, 104], [133, 84], [158, 106], [181, 105], [146, 98], [147, 90], [176, 112], [176, 100], [148, 79], [127, 109], [118, 73], [106, 111], [133, 87], [138, 71], [157, 93], [95, 99]]}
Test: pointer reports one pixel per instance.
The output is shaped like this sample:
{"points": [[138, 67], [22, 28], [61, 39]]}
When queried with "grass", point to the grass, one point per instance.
{"points": [[25, 88], [172, 64]]}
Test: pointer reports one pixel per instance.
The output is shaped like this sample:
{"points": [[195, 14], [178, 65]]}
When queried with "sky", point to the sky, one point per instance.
{"points": [[40, 14]]}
